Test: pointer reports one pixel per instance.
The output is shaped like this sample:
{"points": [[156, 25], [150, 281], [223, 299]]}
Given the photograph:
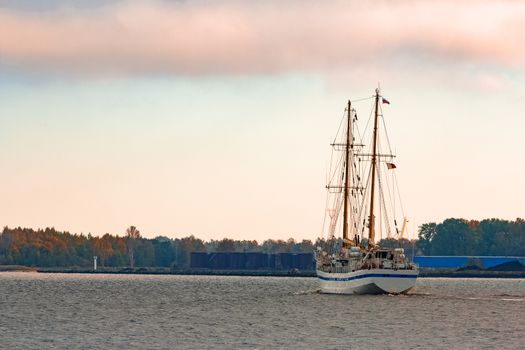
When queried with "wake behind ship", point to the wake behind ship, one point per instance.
{"points": [[362, 183]]}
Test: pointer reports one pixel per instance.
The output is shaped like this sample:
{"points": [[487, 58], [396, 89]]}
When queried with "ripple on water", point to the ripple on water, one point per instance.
{"points": [[152, 312]]}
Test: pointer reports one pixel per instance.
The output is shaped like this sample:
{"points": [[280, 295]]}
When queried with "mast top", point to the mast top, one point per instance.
{"points": [[371, 220], [346, 203]]}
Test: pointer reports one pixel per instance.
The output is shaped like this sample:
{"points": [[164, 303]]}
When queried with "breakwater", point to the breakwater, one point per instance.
{"points": [[197, 272]]}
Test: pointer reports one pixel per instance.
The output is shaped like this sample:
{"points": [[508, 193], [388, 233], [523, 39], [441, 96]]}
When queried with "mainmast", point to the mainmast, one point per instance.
{"points": [[347, 175], [371, 232]]}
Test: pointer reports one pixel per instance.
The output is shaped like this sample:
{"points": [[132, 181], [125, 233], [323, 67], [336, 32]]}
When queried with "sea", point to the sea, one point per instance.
{"points": [[97, 311]]}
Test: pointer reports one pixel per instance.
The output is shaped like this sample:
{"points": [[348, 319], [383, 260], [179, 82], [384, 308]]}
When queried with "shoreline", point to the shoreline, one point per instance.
{"points": [[17, 268], [424, 273], [272, 273]]}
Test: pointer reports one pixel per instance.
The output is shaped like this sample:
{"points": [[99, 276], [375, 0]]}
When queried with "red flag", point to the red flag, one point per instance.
{"points": [[391, 165], [385, 100]]}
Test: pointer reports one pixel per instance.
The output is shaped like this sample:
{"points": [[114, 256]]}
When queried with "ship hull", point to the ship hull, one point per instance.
{"points": [[374, 281]]}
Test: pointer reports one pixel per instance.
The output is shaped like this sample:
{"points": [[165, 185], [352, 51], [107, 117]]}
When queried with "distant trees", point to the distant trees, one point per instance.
{"points": [[48, 247], [163, 251], [279, 246], [5, 243], [453, 237], [471, 237], [425, 236], [43, 247], [226, 245], [132, 235], [183, 247]]}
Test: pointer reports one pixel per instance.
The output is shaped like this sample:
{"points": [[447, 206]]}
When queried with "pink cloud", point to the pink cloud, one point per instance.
{"points": [[262, 37]]}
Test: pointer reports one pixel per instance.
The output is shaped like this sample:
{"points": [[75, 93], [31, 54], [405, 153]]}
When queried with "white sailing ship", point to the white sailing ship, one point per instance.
{"points": [[362, 184]]}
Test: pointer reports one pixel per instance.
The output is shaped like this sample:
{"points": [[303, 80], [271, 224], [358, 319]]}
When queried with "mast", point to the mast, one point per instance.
{"points": [[371, 232], [347, 177]]}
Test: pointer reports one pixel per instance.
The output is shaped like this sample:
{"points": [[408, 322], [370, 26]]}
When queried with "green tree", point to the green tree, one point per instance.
{"points": [[425, 236], [490, 230], [453, 237], [164, 254]]}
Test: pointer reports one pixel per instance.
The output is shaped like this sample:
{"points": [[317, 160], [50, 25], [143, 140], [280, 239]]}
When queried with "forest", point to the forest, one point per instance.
{"points": [[51, 248]]}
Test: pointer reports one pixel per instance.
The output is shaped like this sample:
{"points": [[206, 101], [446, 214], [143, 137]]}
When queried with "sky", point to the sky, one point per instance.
{"points": [[214, 118]]}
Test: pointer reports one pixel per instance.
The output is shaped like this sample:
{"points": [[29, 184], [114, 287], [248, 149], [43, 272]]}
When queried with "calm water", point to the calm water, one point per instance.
{"points": [[66, 311]]}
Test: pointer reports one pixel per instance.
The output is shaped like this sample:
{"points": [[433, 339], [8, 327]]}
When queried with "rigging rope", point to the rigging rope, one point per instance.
{"points": [[358, 171], [363, 99], [386, 132]]}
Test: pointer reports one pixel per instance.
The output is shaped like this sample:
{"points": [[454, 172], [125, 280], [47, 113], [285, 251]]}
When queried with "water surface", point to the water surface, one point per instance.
{"points": [[83, 311]]}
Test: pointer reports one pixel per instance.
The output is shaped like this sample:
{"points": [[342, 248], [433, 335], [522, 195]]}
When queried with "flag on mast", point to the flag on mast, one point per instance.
{"points": [[385, 100], [390, 166]]}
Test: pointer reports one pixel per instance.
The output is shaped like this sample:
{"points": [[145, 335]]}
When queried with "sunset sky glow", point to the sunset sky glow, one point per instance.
{"points": [[214, 118]]}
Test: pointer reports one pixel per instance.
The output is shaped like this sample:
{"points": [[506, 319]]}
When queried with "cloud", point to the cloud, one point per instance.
{"points": [[243, 37]]}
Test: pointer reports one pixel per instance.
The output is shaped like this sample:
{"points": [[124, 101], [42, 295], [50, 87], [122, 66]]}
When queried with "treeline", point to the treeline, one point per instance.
{"points": [[472, 237], [52, 248]]}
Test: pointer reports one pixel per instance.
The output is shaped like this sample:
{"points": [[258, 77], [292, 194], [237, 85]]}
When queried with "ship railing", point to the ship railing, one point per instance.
{"points": [[335, 269], [346, 269]]}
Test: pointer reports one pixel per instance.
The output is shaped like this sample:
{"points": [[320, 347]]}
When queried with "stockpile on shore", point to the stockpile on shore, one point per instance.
{"points": [[471, 266]]}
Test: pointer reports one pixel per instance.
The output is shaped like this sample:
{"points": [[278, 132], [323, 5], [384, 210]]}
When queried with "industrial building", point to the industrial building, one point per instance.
{"points": [[252, 261], [306, 262]]}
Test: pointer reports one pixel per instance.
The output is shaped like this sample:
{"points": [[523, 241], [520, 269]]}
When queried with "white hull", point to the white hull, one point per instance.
{"points": [[374, 281]]}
